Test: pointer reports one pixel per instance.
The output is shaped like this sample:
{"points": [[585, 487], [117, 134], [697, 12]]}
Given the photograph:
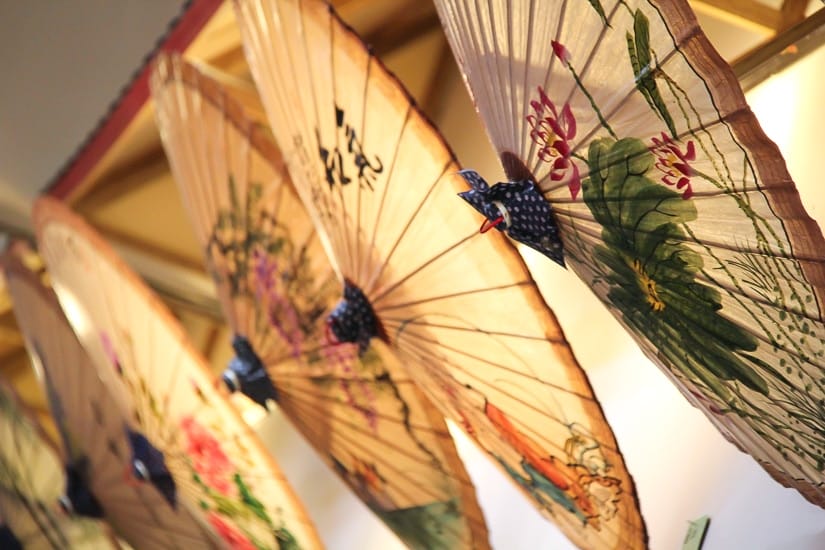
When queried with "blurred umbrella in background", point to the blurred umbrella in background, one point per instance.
{"points": [[363, 414], [194, 447], [102, 449], [32, 479]]}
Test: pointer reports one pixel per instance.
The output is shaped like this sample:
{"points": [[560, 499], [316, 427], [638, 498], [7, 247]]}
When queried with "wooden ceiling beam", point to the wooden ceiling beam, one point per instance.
{"points": [[71, 177], [124, 179], [744, 13], [233, 61], [791, 13], [401, 30], [8, 326], [117, 236], [14, 362], [434, 99], [212, 341], [783, 50]]}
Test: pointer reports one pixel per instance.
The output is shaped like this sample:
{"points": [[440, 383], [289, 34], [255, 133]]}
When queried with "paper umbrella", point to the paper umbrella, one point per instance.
{"points": [[207, 460], [109, 465], [458, 310], [364, 416], [31, 482], [633, 159]]}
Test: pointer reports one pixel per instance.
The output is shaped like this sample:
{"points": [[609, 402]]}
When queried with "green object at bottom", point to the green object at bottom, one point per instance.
{"points": [[430, 527], [695, 536]]}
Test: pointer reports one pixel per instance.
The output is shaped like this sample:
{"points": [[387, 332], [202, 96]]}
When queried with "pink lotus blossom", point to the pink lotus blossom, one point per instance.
{"points": [[553, 131], [673, 163]]}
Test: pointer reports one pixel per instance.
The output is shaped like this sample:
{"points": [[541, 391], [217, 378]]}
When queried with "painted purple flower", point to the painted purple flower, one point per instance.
{"points": [[343, 358], [356, 402], [109, 350], [280, 312], [265, 269], [674, 163], [552, 130]]}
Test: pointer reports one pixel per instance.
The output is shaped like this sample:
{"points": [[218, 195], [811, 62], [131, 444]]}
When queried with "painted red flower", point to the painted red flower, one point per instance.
{"points": [[553, 130], [560, 51], [235, 539], [673, 163], [208, 459]]}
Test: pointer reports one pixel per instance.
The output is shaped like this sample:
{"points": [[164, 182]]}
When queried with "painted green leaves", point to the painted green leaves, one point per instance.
{"points": [[638, 46], [652, 272], [237, 221], [428, 526], [597, 5]]}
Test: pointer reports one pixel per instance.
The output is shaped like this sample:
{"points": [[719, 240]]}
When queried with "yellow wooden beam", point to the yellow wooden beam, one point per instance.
{"points": [[791, 13], [744, 13]]}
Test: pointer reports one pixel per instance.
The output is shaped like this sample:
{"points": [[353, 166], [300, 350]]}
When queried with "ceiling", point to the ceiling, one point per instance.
{"points": [[72, 60]]}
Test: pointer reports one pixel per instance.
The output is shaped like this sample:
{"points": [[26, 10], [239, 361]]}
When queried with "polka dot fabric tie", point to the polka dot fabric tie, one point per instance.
{"points": [[353, 319], [526, 216]]}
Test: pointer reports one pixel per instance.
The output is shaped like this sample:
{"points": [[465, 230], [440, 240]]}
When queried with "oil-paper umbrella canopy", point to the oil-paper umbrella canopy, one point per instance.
{"points": [[103, 452], [198, 451], [634, 159], [31, 483], [365, 417], [459, 309]]}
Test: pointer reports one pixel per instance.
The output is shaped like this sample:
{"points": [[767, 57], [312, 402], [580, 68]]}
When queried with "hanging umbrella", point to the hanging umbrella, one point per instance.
{"points": [[31, 480], [194, 448], [459, 310], [634, 160], [99, 447], [365, 417]]}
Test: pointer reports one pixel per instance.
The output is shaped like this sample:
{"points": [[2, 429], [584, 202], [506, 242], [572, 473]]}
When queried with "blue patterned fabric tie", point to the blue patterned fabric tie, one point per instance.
{"points": [[77, 498], [517, 208], [246, 374], [7, 539], [353, 319], [148, 465]]}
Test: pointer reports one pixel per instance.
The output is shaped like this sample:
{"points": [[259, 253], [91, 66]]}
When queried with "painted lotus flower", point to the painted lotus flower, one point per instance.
{"points": [[553, 130], [674, 163], [208, 459], [235, 539], [583, 449], [265, 270]]}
